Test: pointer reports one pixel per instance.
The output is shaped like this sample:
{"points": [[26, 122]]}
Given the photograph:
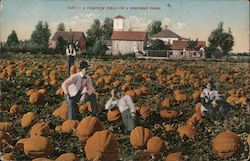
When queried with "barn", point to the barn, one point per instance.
{"points": [[70, 36]]}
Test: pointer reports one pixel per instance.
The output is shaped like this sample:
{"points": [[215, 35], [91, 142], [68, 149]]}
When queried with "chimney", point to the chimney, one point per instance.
{"points": [[166, 27]]}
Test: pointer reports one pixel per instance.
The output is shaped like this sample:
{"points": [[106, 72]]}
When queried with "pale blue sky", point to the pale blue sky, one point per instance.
{"points": [[188, 18]]}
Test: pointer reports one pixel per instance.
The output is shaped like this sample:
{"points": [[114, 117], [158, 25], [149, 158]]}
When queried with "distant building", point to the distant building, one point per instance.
{"points": [[180, 50], [167, 36], [70, 37], [124, 41]]}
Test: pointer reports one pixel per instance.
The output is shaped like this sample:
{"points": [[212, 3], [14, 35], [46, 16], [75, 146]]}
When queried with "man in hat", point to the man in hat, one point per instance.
{"points": [[78, 88]]}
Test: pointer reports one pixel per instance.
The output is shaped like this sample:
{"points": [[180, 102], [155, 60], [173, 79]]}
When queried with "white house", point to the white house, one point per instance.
{"points": [[167, 36], [124, 41], [180, 50]]}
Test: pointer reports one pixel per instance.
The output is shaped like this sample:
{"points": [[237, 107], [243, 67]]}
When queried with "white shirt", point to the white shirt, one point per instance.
{"points": [[123, 104], [211, 95], [71, 53]]}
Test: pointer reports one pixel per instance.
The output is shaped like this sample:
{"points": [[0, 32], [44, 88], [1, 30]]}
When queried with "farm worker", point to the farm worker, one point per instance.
{"points": [[78, 88], [126, 107], [71, 53], [211, 102]]}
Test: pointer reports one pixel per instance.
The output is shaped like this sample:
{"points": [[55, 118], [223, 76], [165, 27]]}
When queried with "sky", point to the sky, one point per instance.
{"points": [[188, 18]]}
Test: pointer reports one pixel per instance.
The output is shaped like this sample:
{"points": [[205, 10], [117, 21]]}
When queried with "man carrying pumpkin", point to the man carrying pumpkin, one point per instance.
{"points": [[78, 88], [211, 102], [126, 107]]}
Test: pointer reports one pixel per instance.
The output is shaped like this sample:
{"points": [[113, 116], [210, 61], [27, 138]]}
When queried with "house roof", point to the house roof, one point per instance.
{"points": [[108, 42], [68, 36], [119, 16], [129, 35], [166, 33], [180, 45]]}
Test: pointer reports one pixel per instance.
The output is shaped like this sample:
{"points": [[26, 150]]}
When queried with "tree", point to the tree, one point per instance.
{"points": [[94, 33], [154, 27], [40, 37], [12, 39], [192, 43], [220, 39], [158, 45], [61, 27], [107, 28], [61, 44]]}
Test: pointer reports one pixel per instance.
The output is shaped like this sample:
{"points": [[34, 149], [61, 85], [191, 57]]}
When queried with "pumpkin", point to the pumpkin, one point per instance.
{"points": [[174, 157], [6, 126], [61, 111], [15, 109], [227, 144], [40, 129], [187, 131], [138, 92], [58, 128], [198, 108], [41, 159], [37, 83], [139, 137], [102, 146], [67, 157], [128, 78], [43, 91], [69, 125], [30, 92], [7, 157], [144, 90], [113, 115], [59, 91], [155, 145], [108, 79], [169, 128], [166, 103], [36, 98], [168, 114], [116, 83], [28, 119], [196, 95], [131, 93], [36, 146], [143, 156], [87, 127], [179, 97], [145, 112]]}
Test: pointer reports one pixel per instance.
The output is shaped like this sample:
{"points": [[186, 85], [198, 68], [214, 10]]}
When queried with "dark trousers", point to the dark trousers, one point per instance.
{"points": [[72, 105], [222, 108]]}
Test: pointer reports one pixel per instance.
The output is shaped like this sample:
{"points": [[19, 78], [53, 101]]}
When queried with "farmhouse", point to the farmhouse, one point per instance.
{"points": [[124, 41], [180, 50], [70, 36], [167, 36]]}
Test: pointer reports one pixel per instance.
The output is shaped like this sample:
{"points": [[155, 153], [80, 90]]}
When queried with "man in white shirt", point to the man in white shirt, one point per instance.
{"points": [[211, 102], [126, 107], [71, 53], [79, 88]]}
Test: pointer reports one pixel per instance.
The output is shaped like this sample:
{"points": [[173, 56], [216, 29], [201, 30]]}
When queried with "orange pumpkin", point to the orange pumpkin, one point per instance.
{"points": [[36, 98], [8, 157], [69, 125], [28, 119], [87, 127], [227, 144], [174, 157], [36, 146], [113, 115], [40, 129], [155, 145], [166, 103], [168, 114], [187, 131], [68, 157], [169, 128], [139, 137], [102, 146], [145, 112], [15, 109], [61, 111]]}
